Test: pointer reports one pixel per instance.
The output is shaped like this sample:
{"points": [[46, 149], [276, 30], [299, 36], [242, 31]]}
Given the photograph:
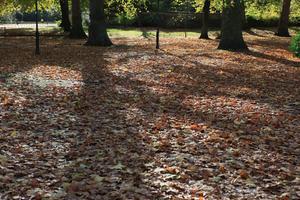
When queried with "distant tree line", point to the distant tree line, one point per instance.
{"points": [[176, 13], [233, 18]]}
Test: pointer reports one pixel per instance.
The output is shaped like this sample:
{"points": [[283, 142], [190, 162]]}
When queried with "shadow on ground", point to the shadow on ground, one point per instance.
{"points": [[124, 121]]}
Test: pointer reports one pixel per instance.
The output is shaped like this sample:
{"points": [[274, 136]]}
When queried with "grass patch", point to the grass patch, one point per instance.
{"points": [[147, 33]]}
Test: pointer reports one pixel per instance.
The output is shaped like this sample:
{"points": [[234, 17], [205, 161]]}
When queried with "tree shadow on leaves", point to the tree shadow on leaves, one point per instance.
{"points": [[271, 58], [84, 137], [94, 140]]}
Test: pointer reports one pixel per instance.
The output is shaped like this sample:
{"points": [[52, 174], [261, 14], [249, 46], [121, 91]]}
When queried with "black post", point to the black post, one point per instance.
{"points": [[185, 19], [157, 30], [37, 34]]}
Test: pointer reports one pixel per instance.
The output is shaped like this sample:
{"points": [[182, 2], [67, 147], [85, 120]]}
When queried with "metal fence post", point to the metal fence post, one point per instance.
{"points": [[157, 30], [37, 34]]}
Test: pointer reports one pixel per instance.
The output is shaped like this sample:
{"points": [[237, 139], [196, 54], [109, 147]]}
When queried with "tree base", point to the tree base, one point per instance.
{"points": [[66, 28], [77, 35], [283, 34], [102, 42], [233, 47], [205, 36], [246, 27], [98, 35]]}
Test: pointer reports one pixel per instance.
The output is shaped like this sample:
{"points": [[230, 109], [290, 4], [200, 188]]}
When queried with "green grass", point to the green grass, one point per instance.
{"points": [[148, 33], [131, 32], [112, 32]]}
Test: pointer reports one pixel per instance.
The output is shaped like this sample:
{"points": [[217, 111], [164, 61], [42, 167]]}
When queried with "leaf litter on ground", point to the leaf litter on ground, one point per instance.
{"points": [[126, 122]]}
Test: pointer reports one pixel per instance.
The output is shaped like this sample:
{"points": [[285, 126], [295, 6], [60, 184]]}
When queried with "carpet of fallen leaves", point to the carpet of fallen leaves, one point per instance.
{"points": [[128, 122]]}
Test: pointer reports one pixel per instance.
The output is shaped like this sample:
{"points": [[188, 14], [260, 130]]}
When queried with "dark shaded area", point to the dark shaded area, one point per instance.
{"points": [[97, 28], [273, 58], [65, 20], [238, 78], [19, 32], [231, 30], [77, 31], [101, 138], [205, 20], [283, 25]]}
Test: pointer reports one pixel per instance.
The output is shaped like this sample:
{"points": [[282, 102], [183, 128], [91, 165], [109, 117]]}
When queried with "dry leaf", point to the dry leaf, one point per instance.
{"points": [[243, 174]]}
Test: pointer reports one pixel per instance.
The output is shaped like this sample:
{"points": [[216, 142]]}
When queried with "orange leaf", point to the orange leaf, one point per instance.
{"points": [[172, 170], [243, 174], [222, 168], [5, 101], [197, 127]]}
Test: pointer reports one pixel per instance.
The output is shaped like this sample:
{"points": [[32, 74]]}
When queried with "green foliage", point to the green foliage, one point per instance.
{"points": [[143, 12], [10, 6], [295, 44]]}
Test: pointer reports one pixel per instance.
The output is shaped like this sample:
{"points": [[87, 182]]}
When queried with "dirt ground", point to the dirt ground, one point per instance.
{"points": [[128, 122]]}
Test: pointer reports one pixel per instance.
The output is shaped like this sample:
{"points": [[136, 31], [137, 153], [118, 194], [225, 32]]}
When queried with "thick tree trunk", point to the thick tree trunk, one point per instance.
{"points": [[97, 29], [283, 26], [65, 21], [205, 20], [231, 31], [77, 29]]}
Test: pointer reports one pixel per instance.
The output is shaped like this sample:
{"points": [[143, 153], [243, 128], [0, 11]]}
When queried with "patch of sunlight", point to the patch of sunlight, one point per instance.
{"points": [[42, 80], [57, 72]]}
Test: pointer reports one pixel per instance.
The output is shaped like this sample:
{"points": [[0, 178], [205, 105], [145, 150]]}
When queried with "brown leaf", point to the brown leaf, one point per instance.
{"points": [[243, 174], [37, 196], [73, 187], [172, 170], [222, 168], [197, 127], [34, 183], [236, 153]]}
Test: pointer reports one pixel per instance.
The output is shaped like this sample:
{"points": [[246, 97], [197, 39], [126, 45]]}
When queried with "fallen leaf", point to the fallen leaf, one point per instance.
{"points": [[243, 174]]}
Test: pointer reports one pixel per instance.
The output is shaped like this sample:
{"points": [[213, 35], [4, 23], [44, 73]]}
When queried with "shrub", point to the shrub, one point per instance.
{"points": [[295, 45]]}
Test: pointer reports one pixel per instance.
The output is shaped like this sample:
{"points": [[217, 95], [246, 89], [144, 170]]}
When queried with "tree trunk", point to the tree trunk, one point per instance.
{"points": [[205, 20], [65, 21], [231, 31], [97, 29], [77, 29], [283, 26]]}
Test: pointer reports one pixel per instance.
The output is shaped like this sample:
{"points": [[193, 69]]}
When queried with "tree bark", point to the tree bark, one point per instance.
{"points": [[97, 29], [283, 25], [231, 31], [65, 21], [205, 20], [245, 25], [77, 29]]}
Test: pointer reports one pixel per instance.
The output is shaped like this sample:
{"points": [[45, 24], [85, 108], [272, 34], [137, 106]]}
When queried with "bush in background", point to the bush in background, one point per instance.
{"points": [[295, 45]]}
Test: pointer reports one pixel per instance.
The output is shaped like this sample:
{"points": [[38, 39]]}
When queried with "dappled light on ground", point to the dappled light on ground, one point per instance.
{"points": [[129, 122]]}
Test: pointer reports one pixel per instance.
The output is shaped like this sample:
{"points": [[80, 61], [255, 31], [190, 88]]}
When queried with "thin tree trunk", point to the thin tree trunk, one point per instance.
{"points": [[205, 20], [97, 29], [244, 19], [77, 29], [65, 21], [283, 26], [231, 31]]}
